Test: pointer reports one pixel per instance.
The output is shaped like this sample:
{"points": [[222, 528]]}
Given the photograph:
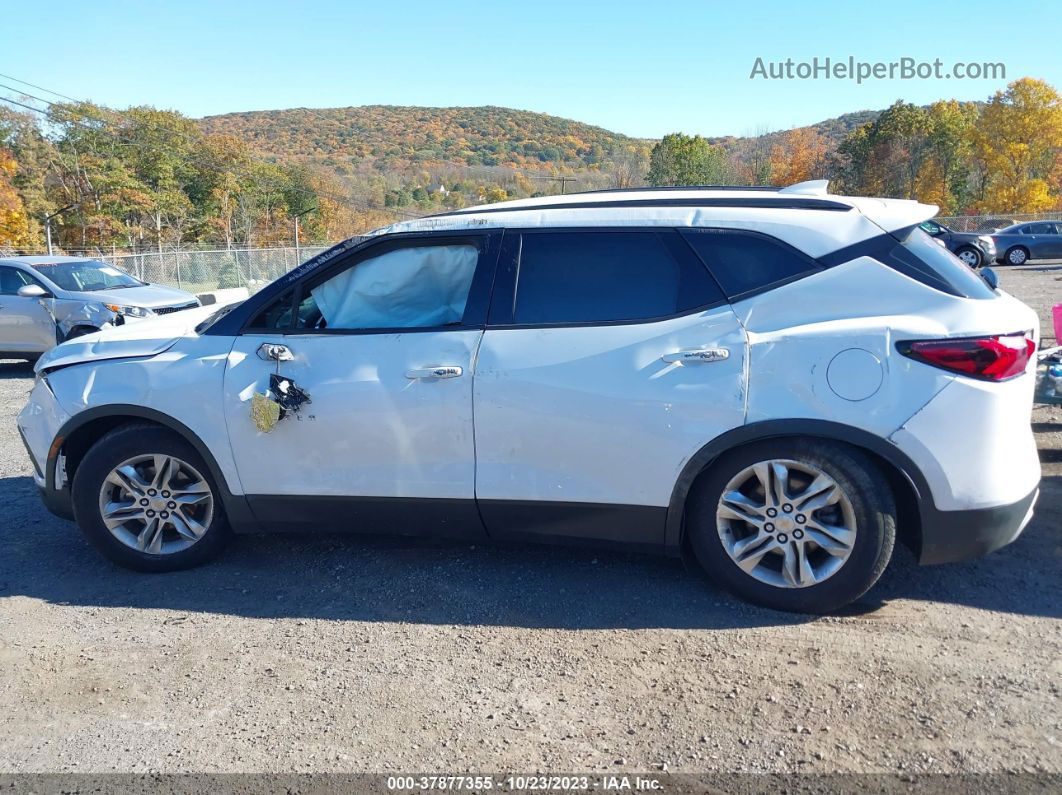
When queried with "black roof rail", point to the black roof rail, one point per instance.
{"points": [[644, 188], [781, 202]]}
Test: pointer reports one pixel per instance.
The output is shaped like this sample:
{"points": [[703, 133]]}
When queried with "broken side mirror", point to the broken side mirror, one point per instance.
{"points": [[990, 277], [33, 291]]}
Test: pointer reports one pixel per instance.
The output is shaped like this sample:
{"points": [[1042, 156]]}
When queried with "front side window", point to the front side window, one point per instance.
{"points": [[742, 262], [86, 276], [593, 277], [409, 287], [13, 279]]}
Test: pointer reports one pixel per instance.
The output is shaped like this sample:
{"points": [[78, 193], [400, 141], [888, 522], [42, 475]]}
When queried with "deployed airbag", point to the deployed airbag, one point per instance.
{"points": [[408, 287]]}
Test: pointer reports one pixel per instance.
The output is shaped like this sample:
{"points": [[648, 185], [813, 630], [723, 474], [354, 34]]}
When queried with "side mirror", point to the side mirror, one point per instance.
{"points": [[33, 291], [990, 278]]}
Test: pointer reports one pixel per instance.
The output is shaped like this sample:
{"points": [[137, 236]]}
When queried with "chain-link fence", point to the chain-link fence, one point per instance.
{"points": [[990, 223], [203, 271]]}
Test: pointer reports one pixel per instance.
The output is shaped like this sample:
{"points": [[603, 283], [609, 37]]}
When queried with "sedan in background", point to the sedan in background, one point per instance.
{"points": [[972, 248], [48, 300], [1019, 243]]}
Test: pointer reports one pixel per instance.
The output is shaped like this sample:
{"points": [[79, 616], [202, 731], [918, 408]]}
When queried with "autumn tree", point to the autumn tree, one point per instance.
{"points": [[943, 178], [687, 160], [13, 222], [798, 156], [1018, 139]]}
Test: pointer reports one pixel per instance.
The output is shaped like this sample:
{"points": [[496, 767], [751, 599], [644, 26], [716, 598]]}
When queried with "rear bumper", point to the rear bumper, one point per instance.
{"points": [[949, 536]]}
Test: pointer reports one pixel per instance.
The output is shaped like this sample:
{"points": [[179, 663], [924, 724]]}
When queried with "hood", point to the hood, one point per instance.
{"points": [[144, 338], [150, 295]]}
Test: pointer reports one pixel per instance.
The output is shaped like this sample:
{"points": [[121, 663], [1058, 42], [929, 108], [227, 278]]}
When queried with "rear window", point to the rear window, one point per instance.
{"points": [[743, 262], [922, 258], [594, 277]]}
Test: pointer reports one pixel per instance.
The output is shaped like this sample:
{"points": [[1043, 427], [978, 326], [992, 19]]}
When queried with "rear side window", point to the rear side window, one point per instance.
{"points": [[922, 258], [743, 262], [592, 277]]}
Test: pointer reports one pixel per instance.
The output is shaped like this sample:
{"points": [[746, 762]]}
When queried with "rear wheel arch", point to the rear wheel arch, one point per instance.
{"points": [[909, 487]]}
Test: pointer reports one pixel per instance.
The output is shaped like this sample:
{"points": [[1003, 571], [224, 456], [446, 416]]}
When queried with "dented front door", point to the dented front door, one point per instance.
{"points": [[382, 443]]}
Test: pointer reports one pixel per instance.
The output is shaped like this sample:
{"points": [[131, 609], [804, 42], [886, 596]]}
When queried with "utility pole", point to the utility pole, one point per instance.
{"points": [[296, 217], [48, 223], [562, 180]]}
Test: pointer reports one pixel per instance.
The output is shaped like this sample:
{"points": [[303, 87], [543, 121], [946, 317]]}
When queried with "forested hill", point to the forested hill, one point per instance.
{"points": [[482, 136]]}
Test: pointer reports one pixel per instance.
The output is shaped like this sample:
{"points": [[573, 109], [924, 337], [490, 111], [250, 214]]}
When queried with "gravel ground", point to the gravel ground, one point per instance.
{"points": [[350, 654]]}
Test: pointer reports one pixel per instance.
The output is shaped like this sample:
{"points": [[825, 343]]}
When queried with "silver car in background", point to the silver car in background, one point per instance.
{"points": [[50, 299]]}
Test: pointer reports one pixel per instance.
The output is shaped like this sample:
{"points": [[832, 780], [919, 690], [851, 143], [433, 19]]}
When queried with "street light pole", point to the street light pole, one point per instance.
{"points": [[48, 224]]}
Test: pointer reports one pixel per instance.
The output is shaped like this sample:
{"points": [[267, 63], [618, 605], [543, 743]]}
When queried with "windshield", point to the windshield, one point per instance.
{"points": [[214, 317], [86, 275]]}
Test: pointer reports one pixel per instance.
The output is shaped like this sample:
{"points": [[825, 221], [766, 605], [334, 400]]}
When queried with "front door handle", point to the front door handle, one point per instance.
{"points": [[697, 356], [275, 352], [444, 371]]}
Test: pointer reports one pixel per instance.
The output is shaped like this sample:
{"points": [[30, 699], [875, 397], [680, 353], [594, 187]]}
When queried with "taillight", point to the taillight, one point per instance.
{"points": [[995, 358]]}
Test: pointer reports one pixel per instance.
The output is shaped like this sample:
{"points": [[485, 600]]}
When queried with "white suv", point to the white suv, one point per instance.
{"points": [[781, 382]]}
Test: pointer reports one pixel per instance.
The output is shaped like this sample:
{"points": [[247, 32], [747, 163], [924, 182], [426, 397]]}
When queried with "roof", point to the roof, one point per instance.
{"points": [[43, 259], [805, 215]]}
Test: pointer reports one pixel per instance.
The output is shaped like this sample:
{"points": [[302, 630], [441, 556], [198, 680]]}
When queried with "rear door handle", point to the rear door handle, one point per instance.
{"points": [[443, 371], [697, 356]]}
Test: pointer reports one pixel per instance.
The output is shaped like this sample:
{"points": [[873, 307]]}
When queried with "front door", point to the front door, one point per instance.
{"points": [[610, 358], [26, 324], [383, 344]]}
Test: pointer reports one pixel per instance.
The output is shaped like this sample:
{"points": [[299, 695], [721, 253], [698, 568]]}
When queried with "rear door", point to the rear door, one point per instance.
{"points": [[383, 344], [610, 357]]}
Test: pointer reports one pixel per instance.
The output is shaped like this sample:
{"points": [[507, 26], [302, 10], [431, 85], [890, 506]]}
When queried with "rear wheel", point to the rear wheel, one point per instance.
{"points": [[145, 498], [800, 525]]}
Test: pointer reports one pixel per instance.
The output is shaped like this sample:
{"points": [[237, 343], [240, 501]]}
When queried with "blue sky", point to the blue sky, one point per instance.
{"points": [[639, 68]]}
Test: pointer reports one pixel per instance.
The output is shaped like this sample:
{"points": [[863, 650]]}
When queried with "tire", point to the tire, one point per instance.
{"points": [[970, 256], [80, 331], [870, 509], [1016, 256], [132, 544]]}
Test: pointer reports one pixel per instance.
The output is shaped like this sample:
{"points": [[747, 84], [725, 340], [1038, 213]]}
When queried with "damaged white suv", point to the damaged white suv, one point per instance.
{"points": [[781, 382]]}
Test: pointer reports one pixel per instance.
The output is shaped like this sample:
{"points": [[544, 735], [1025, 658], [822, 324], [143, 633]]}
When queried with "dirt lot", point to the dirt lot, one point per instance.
{"points": [[347, 654]]}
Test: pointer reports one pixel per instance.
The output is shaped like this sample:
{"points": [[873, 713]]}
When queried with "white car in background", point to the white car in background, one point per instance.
{"points": [[46, 300], [781, 382]]}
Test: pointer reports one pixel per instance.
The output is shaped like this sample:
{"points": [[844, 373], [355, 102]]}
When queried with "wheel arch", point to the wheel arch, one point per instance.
{"points": [[909, 486], [84, 429]]}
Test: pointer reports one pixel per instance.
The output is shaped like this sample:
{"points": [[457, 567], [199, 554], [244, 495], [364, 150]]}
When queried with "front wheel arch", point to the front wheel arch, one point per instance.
{"points": [[87, 427], [910, 488]]}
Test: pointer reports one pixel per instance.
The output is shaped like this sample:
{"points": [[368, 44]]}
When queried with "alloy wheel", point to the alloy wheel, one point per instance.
{"points": [[156, 504], [786, 523], [969, 257]]}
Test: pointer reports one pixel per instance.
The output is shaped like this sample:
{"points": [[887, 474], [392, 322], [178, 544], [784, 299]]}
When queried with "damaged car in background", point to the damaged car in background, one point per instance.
{"points": [[778, 383], [50, 299]]}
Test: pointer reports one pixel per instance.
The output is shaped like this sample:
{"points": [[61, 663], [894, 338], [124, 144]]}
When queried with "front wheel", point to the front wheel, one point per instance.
{"points": [[1016, 256], [145, 498], [800, 525]]}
